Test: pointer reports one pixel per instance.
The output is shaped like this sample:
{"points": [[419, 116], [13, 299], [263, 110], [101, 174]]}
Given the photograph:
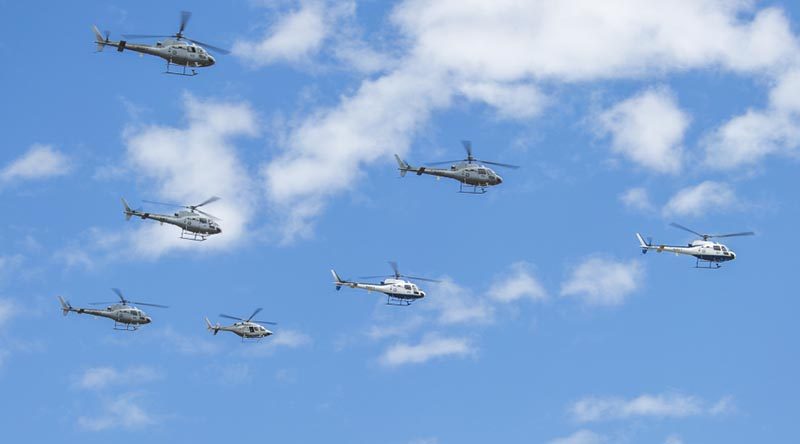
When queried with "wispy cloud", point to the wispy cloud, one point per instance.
{"points": [[282, 339], [125, 411], [580, 437], [187, 165], [603, 282], [98, 378], [519, 283], [701, 199], [672, 405], [39, 162], [647, 129], [637, 199], [431, 347]]}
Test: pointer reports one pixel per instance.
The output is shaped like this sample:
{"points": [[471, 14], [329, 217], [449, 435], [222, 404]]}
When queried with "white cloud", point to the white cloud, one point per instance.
{"points": [[431, 347], [187, 165], [599, 281], [501, 51], [7, 311], [648, 129], [704, 198], [98, 378], [457, 305], [673, 439], [123, 412], [185, 344], [637, 199], [284, 338], [39, 162], [747, 138], [580, 437], [519, 283], [513, 101], [294, 37], [376, 122], [673, 405]]}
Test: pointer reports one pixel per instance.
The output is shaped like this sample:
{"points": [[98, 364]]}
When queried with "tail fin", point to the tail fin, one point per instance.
{"points": [[402, 166], [99, 39], [128, 211], [337, 280], [65, 307], [214, 328], [645, 245]]}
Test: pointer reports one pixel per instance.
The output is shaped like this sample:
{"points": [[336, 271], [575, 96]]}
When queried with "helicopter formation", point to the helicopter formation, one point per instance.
{"points": [[475, 176]]}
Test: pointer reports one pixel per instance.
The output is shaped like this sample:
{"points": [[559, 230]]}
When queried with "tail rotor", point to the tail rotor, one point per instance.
{"points": [[65, 306]]}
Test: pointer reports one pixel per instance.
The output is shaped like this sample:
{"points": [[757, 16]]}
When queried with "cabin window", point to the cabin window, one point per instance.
{"points": [[724, 249], [252, 329], [192, 49], [481, 171], [716, 248], [407, 287]]}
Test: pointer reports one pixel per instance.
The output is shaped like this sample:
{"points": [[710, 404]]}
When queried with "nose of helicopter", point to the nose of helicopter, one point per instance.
{"points": [[211, 60], [499, 180], [147, 319]]}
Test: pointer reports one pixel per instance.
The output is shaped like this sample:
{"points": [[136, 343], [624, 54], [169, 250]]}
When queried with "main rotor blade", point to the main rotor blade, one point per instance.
{"points": [[231, 317], [209, 215], [687, 229], [744, 233], [205, 202], [255, 312], [211, 47], [119, 294], [265, 322], [162, 203], [468, 147], [185, 16], [420, 279], [396, 270], [445, 162], [150, 305], [145, 36], [505, 165]]}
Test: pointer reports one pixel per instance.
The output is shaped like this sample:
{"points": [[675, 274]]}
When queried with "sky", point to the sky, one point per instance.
{"points": [[548, 325]]}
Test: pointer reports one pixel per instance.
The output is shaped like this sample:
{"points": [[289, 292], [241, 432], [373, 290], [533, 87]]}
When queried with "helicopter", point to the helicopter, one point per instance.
{"points": [[196, 225], [709, 254], [398, 291], [176, 49], [470, 171], [245, 328], [126, 316]]}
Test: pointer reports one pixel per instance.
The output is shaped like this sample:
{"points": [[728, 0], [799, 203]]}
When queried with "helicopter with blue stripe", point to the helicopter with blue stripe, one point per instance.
{"points": [[708, 254]]}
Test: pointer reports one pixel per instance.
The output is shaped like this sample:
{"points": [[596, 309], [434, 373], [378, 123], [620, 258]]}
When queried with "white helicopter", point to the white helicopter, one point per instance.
{"points": [[126, 317], [709, 254], [176, 49], [470, 171], [245, 328], [398, 291], [196, 225]]}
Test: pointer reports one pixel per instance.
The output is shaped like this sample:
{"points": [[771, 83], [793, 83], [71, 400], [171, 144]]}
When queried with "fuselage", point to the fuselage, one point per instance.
{"points": [[396, 288], [121, 313], [466, 173], [186, 220], [248, 330], [178, 52], [702, 250]]}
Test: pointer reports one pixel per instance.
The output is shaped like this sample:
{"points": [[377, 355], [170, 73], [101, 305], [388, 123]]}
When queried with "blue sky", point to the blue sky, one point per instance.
{"points": [[549, 326]]}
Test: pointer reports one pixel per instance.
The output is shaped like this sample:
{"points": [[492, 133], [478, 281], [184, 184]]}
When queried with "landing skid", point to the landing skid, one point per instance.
{"points": [[398, 302], [472, 189], [180, 73], [192, 236], [707, 265], [125, 327]]}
